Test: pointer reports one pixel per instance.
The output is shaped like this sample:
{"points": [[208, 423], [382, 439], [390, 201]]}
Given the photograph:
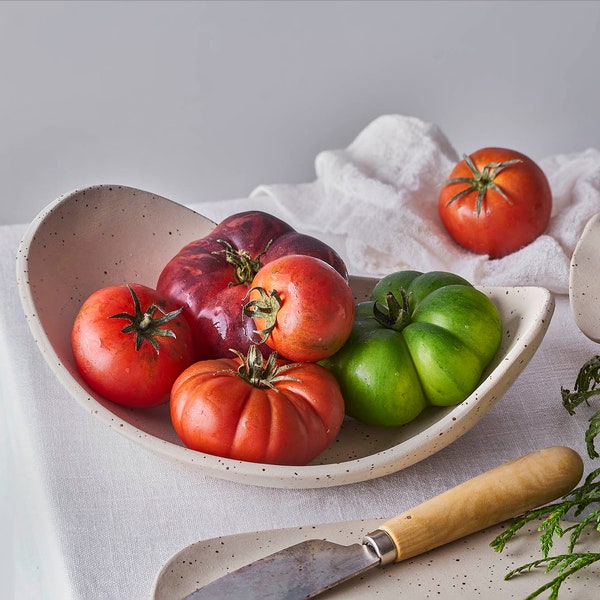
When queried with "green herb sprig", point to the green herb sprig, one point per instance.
{"points": [[581, 499], [586, 386]]}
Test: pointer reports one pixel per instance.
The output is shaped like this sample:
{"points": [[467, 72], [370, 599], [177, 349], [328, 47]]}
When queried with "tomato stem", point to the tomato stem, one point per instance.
{"points": [[266, 307], [393, 315], [257, 373], [143, 324], [146, 320], [245, 267], [482, 181]]}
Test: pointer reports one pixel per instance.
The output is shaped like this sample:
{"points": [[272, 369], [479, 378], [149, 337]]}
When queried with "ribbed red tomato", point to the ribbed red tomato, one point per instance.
{"points": [[302, 306], [243, 408], [496, 201], [211, 276]]}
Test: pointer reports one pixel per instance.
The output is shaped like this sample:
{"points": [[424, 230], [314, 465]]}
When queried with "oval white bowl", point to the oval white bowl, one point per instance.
{"points": [[110, 234]]}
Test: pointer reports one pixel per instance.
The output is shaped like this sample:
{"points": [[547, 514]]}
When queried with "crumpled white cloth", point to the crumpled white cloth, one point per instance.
{"points": [[380, 196]]}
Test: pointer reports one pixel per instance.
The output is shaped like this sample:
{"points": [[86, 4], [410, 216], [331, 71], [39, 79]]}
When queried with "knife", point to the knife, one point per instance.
{"points": [[314, 566]]}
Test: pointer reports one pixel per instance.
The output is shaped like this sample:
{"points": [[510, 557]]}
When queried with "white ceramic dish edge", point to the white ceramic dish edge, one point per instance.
{"points": [[584, 285], [466, 568]]}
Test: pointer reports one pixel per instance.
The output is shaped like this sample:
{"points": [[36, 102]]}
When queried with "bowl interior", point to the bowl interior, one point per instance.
{"points": [[106, 235]]}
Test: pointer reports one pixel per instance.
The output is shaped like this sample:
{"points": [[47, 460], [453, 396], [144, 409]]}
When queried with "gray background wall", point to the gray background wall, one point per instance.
{"points": [[205, 100]]}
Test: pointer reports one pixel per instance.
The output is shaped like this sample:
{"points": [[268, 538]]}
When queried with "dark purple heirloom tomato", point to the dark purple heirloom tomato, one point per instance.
{"points": [[211, 277]]}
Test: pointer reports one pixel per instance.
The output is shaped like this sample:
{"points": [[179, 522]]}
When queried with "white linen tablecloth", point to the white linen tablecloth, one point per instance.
{"points": [[87, 513]]}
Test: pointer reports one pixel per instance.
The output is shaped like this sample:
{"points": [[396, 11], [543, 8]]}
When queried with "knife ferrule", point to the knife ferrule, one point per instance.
{"points": [[382, 545]]}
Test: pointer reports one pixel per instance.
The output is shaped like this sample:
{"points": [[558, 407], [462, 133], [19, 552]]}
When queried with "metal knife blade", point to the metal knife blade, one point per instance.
{"points": [[314, 566], [311, 567]]}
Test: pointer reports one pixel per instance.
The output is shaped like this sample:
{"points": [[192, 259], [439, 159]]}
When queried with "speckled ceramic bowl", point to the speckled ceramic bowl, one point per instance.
{"points": [[584, 284], [106, 235]]}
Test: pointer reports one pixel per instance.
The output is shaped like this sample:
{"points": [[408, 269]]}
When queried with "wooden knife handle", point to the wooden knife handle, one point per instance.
{"points": [[490, 498]]}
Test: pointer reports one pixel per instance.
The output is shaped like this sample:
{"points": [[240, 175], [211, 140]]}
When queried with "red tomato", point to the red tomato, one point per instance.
{"points": [[274, 412], [495, 202], [210, 277], [302, 306], [129, 354]]}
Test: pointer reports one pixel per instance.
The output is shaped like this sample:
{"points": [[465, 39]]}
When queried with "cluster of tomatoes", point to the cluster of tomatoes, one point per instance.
{"points": [[253, 335], [231, 335]]}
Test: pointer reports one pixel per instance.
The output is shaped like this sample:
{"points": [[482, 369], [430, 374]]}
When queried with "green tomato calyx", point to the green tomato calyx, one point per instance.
{"points": [[144, 325], [394, 315], [266, 307], [258, 373], [482, 181], [245, 267]]}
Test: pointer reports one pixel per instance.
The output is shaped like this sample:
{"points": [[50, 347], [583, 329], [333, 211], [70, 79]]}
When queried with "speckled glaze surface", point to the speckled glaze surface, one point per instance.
{"points": [[108, 234], [467, 568], [584, 282]]}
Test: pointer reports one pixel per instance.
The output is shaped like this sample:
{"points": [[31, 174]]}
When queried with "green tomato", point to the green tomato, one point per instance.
{"points": [[423, 339]]}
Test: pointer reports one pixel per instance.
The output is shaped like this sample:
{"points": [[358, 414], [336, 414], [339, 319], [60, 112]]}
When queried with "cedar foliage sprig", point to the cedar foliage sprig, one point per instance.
{"points": [[586, 386], [582, 498]]}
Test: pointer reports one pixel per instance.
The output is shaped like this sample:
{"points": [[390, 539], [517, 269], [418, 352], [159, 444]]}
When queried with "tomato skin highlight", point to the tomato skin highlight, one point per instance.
{"points": [[107, 359], [317, 307], [433, 354], [502, 227], [215, 411], [202, 279]]}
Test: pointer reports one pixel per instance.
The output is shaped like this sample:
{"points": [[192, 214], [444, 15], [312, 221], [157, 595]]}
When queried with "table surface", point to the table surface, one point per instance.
{"points": [[87, 513]]}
